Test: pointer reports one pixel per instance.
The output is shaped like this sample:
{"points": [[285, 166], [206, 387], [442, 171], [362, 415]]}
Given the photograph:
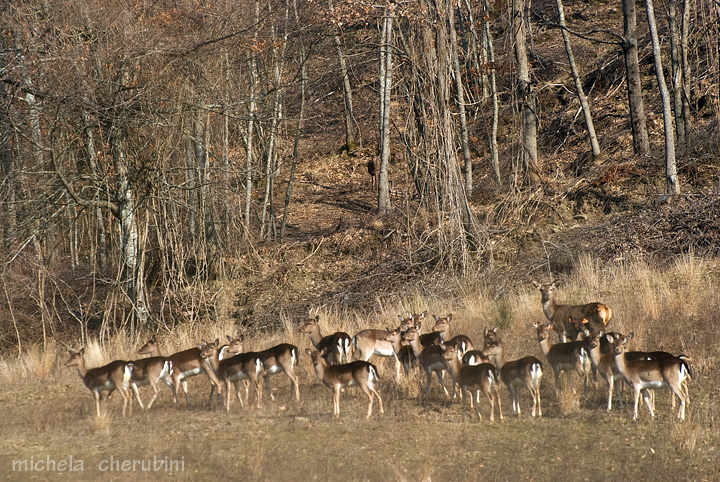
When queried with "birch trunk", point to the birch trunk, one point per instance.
{"points": [[594, 145], [673, 186]]}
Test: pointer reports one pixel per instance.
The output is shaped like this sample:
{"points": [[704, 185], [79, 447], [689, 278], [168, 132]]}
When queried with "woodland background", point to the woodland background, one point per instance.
{"points": [[202, 161]]}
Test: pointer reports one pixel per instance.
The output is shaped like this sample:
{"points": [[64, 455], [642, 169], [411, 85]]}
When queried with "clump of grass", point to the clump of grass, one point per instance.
{"points": [[568, 402]]}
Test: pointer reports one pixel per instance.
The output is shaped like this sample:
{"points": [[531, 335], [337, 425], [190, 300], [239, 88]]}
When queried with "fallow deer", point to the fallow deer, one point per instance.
{"points": [[561, 316], [336, 347], [358, 373], [442, 326], [525, 372], [564, 357], [474, 379], [645, 375], [115, 375]]}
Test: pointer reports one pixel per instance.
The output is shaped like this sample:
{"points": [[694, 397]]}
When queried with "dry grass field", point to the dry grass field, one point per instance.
{"points": [[49, 423]]}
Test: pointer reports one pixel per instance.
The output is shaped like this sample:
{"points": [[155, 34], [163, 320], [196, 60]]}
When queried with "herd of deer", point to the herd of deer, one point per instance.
{"points": [[474, 371]]}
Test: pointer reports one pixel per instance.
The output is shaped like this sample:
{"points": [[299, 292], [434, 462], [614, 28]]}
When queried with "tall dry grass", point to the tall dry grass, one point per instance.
{"points": [[672, 308]]}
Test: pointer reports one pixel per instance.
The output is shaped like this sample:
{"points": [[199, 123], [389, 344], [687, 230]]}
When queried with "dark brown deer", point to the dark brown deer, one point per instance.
{"points": [[336, 348]]}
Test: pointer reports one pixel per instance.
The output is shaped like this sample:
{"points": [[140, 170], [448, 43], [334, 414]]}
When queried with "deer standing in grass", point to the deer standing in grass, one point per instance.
{"points": [[431, 359], [150, 371], [336, 347], [564, 357], [185, 364], [525, 372], [245, 366], [562, 316], [378, 342], [442, 326], [474, 379], [645, 375], [282, 358], [115, 375], [358, 373]]}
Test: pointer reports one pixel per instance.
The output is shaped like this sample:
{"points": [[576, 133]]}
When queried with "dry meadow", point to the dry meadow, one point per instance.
{"points": [[49, 424]]}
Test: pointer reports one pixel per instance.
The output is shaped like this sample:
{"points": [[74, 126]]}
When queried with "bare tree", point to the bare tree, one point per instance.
{"points": [[673, 186], [634, 84], [385, 81], [526, 94], [594, 145]]}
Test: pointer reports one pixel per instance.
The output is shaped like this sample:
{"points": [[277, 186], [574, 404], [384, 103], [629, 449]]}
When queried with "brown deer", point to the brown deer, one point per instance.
{"points": [[242, 366], [115, 375], [474, 379], [564, 357], [282, 358], [645, 375], [525, 372], [354, 374], [442, 326], [431, 359], [563, 316], [186, 364]]}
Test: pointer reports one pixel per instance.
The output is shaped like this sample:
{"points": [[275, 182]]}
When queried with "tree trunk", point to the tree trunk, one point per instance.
{"points": [[386, 71], [526, 94], [686, 78], [298, 129], [641, 141], [460, 96], [594, 145], [676, 70], [99, 218], [129, 236], [350, 142], [673, 186], [487, 40]]}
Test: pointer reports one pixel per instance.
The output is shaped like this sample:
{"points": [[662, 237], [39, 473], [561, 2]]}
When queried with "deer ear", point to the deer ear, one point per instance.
{"points": [[436, 318], [536, 284], [449, 317], [82, 351], [217, 341], [423, 314], [317, 318], [307, 350], [630, 336], [230, 338]]}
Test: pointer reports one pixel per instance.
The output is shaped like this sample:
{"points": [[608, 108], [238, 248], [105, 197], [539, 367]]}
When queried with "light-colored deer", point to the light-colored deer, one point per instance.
{"points": [[378, 342], [525, 372], [563, 316], [358, 373], [150, 371], [442, 326]]}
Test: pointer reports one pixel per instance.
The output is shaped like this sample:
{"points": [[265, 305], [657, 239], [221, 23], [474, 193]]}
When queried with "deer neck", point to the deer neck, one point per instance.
{"points": [[549, 306], [415, 345], [315, 335], [545, 345], [500, 357], [444, 333]]}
